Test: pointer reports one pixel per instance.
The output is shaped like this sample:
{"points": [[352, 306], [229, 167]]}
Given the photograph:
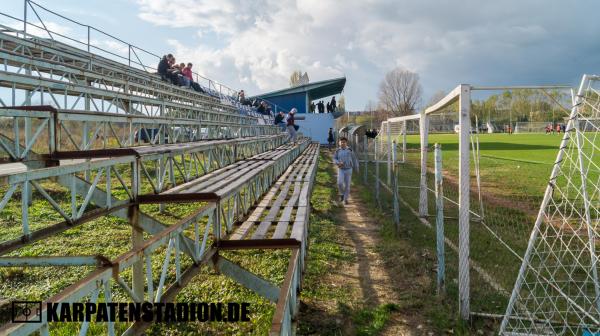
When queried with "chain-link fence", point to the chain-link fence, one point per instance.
{"points": [[501, 194]]}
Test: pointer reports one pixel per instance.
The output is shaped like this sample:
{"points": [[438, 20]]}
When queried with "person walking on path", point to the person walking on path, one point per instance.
{"points": [[345, 159], [291, 126]]}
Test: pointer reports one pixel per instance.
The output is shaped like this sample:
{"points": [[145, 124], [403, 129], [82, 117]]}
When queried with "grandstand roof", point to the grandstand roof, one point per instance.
{"points": [[314, 90]]}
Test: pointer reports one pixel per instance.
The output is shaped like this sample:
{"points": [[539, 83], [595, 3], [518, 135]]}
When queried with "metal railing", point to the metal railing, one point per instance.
{"points": [[135, 54]]}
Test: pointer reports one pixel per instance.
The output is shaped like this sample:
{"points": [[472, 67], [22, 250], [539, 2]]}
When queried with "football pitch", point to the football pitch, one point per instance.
{"points": [[511, 164]]}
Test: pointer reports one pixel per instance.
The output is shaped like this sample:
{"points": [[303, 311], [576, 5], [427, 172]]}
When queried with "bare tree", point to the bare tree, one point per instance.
{"points": [[400, 92], [297, 78]]}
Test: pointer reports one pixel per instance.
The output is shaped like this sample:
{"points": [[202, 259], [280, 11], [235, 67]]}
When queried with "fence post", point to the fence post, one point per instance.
{"points": [[377, 176], [404, 142], [395, 190], [439, 221], [366, 158], [389, 153], [423, 183], [464, 106], [137, 234]]}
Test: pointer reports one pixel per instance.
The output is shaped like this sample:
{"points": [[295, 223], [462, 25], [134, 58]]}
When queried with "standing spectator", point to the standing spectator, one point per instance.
{"points": [[291, 125], [321, 106], [279, 120], [345, 159], [333, 104], [312, 107], [328, 107], [330, 138]]}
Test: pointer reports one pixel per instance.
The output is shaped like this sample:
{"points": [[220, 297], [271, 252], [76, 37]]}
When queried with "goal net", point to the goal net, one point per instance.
{"points": [[557, 291]]}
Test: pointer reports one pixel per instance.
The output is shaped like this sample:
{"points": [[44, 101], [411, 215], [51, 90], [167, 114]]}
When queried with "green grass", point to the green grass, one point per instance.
{"points": [[514, 174], [410, 253], [510, 164]]}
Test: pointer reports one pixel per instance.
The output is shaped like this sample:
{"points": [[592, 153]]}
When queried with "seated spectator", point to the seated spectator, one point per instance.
{"points": [[173, 72], [165, 69], [262, 108], [187, 72], [163, 66], [242, 98], [184, 80]]}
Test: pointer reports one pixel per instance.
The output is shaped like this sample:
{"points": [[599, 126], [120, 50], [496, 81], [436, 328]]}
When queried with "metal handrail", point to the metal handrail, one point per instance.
{"points": [[212, 84]]}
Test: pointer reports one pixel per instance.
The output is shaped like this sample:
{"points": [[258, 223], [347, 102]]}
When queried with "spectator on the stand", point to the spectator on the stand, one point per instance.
{"points": [[187, 72], [321, 106], [165, 69], [312, 107], [291, 125], [280, 120], [185, 80], [175, 73], [262, 108], [242, 98], [269, 110], [333, 104], [163, 66]]}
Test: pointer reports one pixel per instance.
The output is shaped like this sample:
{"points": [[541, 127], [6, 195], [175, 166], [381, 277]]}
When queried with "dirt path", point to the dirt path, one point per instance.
{"points": [[376, 281], [372, 283]]}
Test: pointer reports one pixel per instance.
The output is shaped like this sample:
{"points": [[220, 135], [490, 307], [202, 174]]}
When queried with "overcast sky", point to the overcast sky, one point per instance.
{"points": [[255, 45]]}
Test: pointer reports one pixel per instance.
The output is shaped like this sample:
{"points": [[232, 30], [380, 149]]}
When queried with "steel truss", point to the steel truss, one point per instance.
{"points": [[53, 131], [224, 206], [110, 138]]}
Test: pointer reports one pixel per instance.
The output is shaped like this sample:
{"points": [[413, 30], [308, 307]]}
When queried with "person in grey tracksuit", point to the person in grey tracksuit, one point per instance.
{"points": [[345, 159]]}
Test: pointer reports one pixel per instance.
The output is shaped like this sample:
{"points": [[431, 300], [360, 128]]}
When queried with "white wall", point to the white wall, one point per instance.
{"points": [[315, 125]]}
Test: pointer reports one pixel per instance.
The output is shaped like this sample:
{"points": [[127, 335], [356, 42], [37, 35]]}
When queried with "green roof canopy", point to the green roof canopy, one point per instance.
{"points": [[314, 90]]}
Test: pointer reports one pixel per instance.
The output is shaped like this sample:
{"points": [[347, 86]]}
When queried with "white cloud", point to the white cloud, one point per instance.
{"points": [[261, 42]]}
